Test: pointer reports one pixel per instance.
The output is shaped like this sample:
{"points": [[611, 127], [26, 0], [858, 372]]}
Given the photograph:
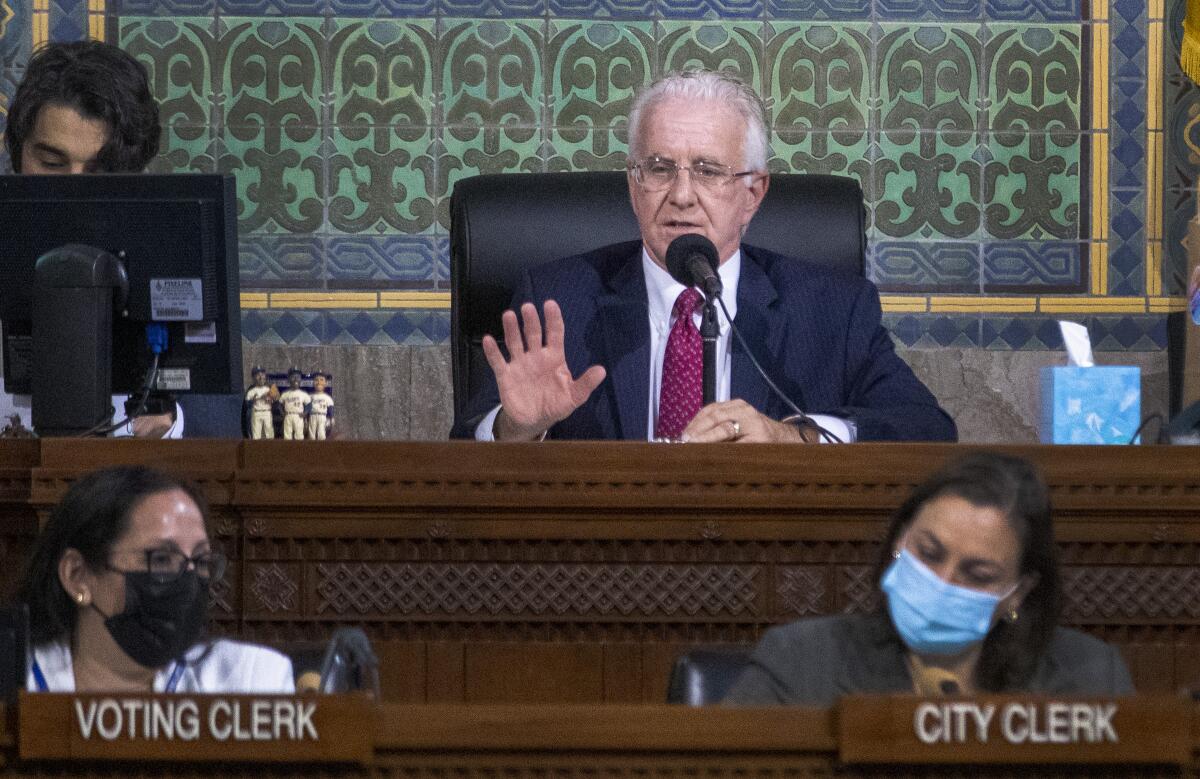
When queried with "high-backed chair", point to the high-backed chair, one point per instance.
{"points": [[701, 676], [500, 225]]}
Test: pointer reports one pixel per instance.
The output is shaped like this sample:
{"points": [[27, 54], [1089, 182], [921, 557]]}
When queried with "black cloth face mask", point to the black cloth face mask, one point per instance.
{"points": [[161, 620]]}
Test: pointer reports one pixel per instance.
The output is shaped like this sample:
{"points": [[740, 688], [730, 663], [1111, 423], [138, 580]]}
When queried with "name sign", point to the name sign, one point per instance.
{"points": [[226, 728], [1010, 729]]}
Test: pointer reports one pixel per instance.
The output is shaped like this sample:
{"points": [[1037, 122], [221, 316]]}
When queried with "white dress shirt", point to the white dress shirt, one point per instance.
{"points": [[219, 666], [661, 292]]}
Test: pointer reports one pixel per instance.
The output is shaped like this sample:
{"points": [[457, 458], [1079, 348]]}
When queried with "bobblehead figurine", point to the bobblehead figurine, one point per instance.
{"points": [[320, 409], [294, 402], [259, 399]]}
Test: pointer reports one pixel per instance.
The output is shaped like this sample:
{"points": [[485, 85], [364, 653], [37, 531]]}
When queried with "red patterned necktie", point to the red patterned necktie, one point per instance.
{"points": [[682, 394]]}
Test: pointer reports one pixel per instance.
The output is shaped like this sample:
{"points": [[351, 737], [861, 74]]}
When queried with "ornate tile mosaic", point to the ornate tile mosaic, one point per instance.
{"points": [[910, 10], [910, 266], [1032, 333], [381, 262], [282, 261], [8, 85], [1010, 266], [934, 331], [733, 46], [818, 78], [971, 125], [15, 32], [383, 328], [823, 10]]}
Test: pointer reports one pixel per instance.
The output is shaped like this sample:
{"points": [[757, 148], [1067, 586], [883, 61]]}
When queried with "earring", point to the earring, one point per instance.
{"points": [[895, 554], [80, 597], [1013, 615]]}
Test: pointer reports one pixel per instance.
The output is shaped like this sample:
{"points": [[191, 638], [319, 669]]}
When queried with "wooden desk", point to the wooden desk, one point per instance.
{"points": [[1154, 737], [574, 572]]}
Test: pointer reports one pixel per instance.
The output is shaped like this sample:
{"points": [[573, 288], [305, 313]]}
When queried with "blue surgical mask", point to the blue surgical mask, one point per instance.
{"points": [[932, 616]]}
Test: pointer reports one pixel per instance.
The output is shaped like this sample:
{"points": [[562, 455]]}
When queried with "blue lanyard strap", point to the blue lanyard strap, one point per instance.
{"points": [[176, 675], [39, 678]]}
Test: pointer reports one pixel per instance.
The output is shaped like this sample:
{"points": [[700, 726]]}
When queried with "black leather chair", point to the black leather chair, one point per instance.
{"points": [[701, 677], [501, 225]]}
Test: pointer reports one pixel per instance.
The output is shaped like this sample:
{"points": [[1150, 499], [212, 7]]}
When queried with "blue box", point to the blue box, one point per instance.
{"points": [[1097, 405]]}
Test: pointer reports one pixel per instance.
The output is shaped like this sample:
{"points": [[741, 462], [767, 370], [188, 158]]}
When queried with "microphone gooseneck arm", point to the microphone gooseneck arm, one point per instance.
{"points": [[710, 331]]}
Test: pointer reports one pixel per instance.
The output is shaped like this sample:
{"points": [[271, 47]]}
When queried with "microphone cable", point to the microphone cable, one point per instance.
{"points": [[826, 435]]}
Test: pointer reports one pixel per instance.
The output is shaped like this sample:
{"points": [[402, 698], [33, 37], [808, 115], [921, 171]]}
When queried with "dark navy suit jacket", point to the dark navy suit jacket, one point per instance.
{"points": [[816, 331]]}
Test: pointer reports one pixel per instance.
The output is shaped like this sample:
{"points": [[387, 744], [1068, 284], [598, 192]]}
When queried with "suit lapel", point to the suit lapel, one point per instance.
{"points": [[761, 325], [625, 322]]}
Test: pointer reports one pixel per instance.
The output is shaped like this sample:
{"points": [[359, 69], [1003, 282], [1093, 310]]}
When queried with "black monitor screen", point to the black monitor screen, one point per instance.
{"points": [[176, 235]]}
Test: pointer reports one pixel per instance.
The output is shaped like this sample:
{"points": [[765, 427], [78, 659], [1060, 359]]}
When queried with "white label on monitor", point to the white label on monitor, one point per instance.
{"points": [[176, 300], [200, 333], [174, 379]]}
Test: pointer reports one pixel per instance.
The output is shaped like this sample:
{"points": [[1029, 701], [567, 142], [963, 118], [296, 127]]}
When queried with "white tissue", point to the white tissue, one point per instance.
{"points": [[1078, 343]]}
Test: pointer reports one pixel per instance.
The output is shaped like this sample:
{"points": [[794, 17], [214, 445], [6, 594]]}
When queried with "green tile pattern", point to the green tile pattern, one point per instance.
{"points": [[963, 131]]}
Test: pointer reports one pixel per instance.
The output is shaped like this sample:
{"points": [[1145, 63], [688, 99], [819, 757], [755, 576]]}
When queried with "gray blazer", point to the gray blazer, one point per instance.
{"points": [[815, 661]]}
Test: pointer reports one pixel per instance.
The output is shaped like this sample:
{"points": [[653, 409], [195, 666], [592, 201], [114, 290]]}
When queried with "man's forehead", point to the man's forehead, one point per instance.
{"points": [[64, 130]]}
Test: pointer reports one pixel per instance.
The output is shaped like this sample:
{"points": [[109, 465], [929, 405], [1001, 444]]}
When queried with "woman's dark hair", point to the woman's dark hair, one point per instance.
{"points": [[90, 518], [1013, 486], [100, 82]]}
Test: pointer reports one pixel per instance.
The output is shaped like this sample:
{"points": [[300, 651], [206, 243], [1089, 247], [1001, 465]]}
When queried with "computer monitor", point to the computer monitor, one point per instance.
{"points": [[175, 236]]}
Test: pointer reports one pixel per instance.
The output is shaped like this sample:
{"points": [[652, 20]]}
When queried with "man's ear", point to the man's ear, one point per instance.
{"points": [[75, 576], [755, 194]]}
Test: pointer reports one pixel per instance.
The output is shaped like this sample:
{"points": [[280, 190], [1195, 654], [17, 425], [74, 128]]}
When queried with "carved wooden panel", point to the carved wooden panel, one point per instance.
{"points": [[537, 591], [453, 555], [1134, 594]]}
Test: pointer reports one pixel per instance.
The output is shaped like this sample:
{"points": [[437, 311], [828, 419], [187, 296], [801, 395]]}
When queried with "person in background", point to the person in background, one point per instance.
{"points": [[85, 107], [118, 591], [970, 600]]}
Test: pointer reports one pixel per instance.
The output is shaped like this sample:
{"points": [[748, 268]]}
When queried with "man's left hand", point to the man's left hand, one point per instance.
{"points": [[151, 425], [737, 420]]}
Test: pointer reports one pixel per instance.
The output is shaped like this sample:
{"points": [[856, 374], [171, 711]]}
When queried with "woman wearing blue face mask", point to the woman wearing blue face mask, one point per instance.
{"points": [[970, 596], [118, 592]]}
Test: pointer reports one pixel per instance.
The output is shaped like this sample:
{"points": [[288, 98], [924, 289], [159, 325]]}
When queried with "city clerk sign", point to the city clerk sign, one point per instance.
{"points": [[1014, 729], [227, 728]]}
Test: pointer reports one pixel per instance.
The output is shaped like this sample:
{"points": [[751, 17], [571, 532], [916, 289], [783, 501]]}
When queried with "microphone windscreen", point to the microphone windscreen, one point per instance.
{"points": [[682, 249]]}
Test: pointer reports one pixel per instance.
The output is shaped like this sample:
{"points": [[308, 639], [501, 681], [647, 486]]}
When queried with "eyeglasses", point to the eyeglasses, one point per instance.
{"points": [[657, 173], [167, 565]]}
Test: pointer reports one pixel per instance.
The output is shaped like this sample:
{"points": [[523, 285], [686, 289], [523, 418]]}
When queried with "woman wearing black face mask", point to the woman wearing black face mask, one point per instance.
{"points": [[118, 590], [970, 595]]}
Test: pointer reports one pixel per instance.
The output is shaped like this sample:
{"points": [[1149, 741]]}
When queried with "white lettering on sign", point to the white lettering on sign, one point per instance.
{"points": [[960, 722], [951, 723], [1059, 723], [135, 719]]}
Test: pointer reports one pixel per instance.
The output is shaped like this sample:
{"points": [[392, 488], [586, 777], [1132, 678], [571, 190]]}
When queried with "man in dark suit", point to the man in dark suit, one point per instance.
{"points": [[615, 318]]}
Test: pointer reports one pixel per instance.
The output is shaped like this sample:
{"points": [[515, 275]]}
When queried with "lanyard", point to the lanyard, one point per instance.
{"points": [[172, 682]]}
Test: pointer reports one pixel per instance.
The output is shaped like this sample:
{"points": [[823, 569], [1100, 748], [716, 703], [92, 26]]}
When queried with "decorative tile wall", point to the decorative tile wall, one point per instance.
{"points": [[1023, 160]]}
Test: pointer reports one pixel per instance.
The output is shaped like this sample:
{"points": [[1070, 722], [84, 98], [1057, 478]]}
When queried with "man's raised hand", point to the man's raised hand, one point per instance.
{"points": [[535, 383]]}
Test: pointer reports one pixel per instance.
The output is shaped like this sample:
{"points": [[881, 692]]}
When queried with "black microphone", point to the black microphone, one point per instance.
{"points": [[692, 261], [349, 663]]}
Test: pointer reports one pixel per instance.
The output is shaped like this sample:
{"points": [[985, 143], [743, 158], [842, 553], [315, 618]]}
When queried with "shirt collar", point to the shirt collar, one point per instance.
{"points": [[662, 290]]}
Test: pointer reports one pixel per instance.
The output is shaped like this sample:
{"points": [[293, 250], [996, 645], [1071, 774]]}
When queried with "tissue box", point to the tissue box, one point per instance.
{"points": [[1097, 405]]}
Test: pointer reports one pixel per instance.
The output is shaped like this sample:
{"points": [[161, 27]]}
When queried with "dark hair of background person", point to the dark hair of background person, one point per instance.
{"points": [[100, 81], [93, 514], [1013, 486]]}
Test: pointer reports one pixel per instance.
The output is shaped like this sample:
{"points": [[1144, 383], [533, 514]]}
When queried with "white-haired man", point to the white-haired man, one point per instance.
{"points": [[616, 317]]}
